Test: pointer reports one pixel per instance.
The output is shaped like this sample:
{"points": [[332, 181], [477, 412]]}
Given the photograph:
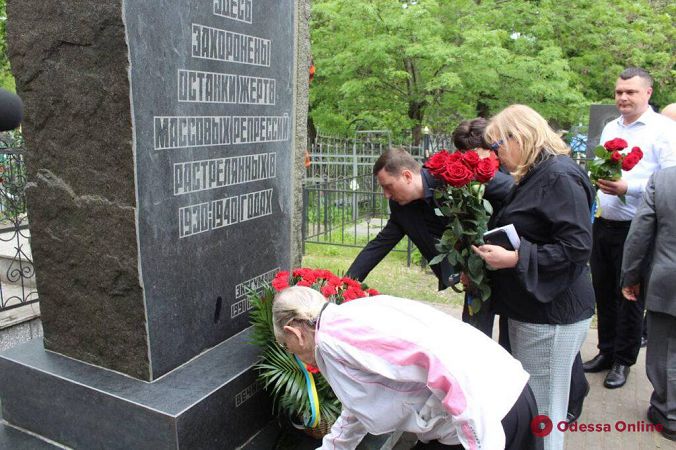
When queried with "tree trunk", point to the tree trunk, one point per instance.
{"points": [[482, 110], [416, 112]]}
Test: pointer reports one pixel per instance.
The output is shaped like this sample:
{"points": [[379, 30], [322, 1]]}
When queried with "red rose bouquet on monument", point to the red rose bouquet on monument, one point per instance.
{"points": [[461, 199], [337, 289], [609, 162]]}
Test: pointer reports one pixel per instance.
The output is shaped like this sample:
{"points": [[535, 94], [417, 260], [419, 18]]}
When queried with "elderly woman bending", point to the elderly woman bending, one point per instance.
{"points": [[398, 365]]}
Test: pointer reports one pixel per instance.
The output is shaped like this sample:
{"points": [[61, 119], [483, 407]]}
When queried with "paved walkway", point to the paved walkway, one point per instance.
{"points": [[616, 407]]}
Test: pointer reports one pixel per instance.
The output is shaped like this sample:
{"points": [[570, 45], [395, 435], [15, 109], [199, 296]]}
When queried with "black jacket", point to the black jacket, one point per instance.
{"points": [[550, 209], [418, 221]]}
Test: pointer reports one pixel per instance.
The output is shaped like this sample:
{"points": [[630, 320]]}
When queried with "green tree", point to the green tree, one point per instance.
{"points": [[600, 38], [380, 65], [401, 64], [6, 77]]}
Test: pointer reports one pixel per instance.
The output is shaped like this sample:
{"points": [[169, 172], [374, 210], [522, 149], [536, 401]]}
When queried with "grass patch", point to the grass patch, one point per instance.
{"points": [[391, 276]]}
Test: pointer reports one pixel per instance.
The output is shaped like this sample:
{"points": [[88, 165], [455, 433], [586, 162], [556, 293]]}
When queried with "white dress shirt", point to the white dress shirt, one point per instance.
{"points": [[655, 135]]}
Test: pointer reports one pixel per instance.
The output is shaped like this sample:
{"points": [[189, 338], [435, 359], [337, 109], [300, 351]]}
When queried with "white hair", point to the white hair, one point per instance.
{"points": [[295, 303]]}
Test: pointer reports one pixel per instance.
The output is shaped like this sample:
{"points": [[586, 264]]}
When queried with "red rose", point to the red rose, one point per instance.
{"points": [[334, 280], [616, 156], [485, 170], [328, 290], [352, 293], [323, 273], [637, 151], [281, 281], [437, 162], [453, 158], [615, 144], [630, 161], [457, 175], [304, 283], [471, 159], [372, 292], [351, 283]]}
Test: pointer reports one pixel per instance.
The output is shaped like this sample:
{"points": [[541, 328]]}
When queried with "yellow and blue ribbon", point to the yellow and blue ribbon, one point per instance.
{"points": [[313, 420]]}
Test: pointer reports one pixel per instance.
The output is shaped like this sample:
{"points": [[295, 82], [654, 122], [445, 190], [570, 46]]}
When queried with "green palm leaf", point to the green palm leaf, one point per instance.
{"points": [[278, 371]]}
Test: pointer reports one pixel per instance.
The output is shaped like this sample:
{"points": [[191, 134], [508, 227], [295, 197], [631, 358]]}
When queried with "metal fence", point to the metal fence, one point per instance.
{"points": [[17, 276], [331, 158], [347, 212]]}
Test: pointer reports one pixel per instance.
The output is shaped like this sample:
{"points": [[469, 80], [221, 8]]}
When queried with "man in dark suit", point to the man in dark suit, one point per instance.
{"points": [[654, 228], [410, 191]]}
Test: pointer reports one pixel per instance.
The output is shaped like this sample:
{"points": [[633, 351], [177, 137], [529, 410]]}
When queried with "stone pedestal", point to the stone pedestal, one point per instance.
{"points": [[213, 402], [162, 157]]}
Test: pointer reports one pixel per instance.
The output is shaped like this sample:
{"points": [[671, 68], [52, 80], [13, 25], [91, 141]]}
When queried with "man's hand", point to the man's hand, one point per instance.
{"points": [[496, 256], [631, 292], [618, 187]]}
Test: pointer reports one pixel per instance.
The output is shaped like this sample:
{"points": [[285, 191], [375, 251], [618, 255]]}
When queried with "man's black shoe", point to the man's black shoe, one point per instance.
{"points": [[617, 376], [654, 418], [644, 341], [598, 363], [575, 412]]}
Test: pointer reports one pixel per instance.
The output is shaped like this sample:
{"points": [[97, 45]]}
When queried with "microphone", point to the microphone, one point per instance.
{"points": [[11, 110]]}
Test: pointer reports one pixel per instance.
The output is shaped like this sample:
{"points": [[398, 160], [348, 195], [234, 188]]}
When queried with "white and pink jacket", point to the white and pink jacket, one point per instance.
{"points": [[396, 364]]}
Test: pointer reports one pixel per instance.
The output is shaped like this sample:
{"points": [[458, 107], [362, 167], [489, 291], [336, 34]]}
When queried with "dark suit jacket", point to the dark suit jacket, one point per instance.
{"points": [[419, 222], [654, 226]]}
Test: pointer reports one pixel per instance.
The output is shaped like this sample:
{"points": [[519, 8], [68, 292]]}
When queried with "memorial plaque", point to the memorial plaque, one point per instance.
{"points": [[599, 116], [212, 100]]}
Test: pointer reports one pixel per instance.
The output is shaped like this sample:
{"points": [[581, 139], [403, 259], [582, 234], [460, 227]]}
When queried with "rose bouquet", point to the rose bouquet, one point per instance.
{"points": [[299, 390], [610, 163], [461, 199]]}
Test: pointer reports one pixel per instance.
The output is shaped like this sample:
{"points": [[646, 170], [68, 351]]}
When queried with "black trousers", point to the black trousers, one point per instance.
{"points": [[619, 321], [518, 434], [578, 385], [483, 321]]}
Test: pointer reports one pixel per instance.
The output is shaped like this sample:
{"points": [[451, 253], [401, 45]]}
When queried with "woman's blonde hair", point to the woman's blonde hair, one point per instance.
{"points": [[295, 303], [530, 131]]}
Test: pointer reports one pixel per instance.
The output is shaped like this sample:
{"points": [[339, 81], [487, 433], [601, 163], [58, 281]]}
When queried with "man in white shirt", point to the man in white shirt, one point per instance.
{"points": [[620, 321]]}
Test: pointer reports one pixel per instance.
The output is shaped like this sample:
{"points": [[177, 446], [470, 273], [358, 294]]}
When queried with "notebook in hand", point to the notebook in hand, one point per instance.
{"points": [[505, 237]]}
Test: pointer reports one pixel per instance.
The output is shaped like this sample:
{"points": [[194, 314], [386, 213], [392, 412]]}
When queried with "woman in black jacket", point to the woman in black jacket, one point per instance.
{"points": [[544, 287]]}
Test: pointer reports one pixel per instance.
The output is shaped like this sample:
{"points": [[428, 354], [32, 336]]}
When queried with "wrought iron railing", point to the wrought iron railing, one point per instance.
{"points": [[17, 276], [330, 158], [346, 212]]}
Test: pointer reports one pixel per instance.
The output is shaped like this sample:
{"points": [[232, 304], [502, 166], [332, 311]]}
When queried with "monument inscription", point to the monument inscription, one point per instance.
{"points": [[212, 102]]}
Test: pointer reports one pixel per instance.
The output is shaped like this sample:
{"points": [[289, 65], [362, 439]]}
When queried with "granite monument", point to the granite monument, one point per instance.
{"points": [[164, 148]]}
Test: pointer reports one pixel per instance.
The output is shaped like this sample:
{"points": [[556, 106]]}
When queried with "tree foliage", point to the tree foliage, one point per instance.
{"points": [[6, 77], [402, 65]]}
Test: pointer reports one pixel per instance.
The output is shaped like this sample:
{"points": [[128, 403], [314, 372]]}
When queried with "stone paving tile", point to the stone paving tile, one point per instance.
{"points": [[627, 404]]}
